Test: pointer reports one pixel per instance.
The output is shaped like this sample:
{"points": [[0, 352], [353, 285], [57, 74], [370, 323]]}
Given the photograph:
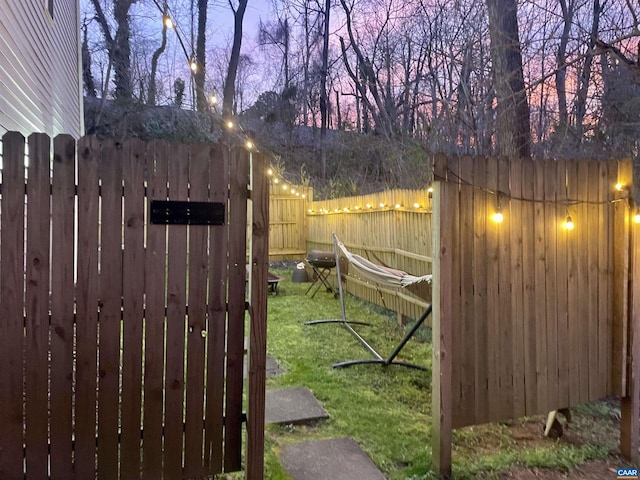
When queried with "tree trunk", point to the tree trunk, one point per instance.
{"points": [[151, 100], [198, 77], [234, 59], [323, 91], [513, 123]]}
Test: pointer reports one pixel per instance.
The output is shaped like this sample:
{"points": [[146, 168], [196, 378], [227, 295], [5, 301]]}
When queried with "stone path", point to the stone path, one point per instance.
{"points": [[331, 459]]}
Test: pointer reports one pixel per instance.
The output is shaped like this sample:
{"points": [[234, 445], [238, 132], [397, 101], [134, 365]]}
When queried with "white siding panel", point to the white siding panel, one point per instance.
{"points": [[39, 69]]}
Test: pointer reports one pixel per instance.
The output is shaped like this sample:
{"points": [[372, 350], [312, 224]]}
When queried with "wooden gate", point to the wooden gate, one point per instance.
{"points": [[122, 303]]}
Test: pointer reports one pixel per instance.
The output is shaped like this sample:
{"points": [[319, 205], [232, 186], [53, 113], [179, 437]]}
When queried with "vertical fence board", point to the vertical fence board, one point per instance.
{"points": [[567, 286], [444, 219], [467, 314], [258, 322], [11, 305], [551, 280], [518, 348], [87, 309], [37, 307], [175, 332], [583, 240], [155, 283], [481, 332], [62, 332], [237, 288], [198, 192], [110, 309], [492, 279], [540, 270], [620, 283], [133, 314], [529, 260], [505, 318], [217, 314], [596, 383]]}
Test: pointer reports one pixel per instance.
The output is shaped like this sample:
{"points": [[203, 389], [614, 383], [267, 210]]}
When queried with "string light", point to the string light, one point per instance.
{"points": [[416, 205], [269, 172], [568, 223], [229, 124], [213, 100], [168, 23], [397, 206], [636, 217], [619, 187], [497, 216], [249, 145]]}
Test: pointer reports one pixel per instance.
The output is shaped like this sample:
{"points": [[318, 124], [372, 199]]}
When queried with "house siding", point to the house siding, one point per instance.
{"points": [[40, 89]]}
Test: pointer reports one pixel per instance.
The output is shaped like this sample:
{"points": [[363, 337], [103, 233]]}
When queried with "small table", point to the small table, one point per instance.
{"points": [[273, 281]]}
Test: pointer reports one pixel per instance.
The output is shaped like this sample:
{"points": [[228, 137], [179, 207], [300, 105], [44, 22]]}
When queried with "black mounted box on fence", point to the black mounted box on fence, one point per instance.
{"points": [[165, 212]]}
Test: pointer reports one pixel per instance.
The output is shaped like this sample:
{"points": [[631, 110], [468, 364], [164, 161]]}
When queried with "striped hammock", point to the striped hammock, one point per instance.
{"points": [[377, 273]]}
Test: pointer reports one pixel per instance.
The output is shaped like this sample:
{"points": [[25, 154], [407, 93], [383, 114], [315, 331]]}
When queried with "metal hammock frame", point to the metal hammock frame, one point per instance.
{"points": [[383, 276]]}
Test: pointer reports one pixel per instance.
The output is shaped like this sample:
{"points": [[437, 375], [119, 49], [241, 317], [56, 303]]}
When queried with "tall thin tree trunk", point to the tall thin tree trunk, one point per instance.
{"points": [[323, 91], [513, 122], [199, 76], [234, 59]]}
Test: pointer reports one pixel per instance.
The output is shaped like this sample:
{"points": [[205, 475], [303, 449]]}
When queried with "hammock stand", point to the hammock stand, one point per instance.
{"points": [[381, 275]]}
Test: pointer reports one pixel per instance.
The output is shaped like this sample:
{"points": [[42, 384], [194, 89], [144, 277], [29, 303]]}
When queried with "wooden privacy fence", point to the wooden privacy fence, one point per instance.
{"points": [[391, 228], [122, 323], [288, 205], [529, 315]]}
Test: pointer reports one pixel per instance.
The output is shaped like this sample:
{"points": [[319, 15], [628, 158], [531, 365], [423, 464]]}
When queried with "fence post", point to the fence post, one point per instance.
{"points": [[442, 327]]}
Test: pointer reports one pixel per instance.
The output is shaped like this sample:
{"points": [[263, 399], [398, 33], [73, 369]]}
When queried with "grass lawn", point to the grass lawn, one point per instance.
{"points": [[388, 410]]}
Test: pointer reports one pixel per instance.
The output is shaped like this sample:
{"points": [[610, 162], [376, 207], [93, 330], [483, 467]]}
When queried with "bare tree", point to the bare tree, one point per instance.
{"points": [[118, 44], [232, 70], [513, 124]]}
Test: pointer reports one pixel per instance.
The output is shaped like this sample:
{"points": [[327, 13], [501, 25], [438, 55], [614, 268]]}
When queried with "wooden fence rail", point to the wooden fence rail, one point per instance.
{"points": [[122, 338]]}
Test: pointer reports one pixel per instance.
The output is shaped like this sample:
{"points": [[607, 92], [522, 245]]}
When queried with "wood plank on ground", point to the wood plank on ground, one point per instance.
{"points": [[37, 308], [216, 314], [176, 314], [11, 306], [110, 309], [155, 283], [133, 305], [197, 296], [62, 334], [87, 309]]}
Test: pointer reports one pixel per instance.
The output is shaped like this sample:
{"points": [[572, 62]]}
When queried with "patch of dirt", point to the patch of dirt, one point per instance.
{"points": [[593, 470]]}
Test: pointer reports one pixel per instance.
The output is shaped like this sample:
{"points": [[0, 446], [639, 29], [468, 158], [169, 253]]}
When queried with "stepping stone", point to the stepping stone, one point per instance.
{"points": [[295, 406], [334, 459], [273, 368]]}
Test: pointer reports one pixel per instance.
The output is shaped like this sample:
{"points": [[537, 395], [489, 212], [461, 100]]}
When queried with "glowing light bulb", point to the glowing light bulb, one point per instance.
{"points": [[284, 187], [619, 187], [368, 205], [213, 100], [304, 196], [568, 223], [381, 205], [194, 66], [498, 217], [636, 218], [416, 205], [276, 181], [397, 205], [168, 23], [229, 124], [249, 144], [269, 172], [357, 207]]}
